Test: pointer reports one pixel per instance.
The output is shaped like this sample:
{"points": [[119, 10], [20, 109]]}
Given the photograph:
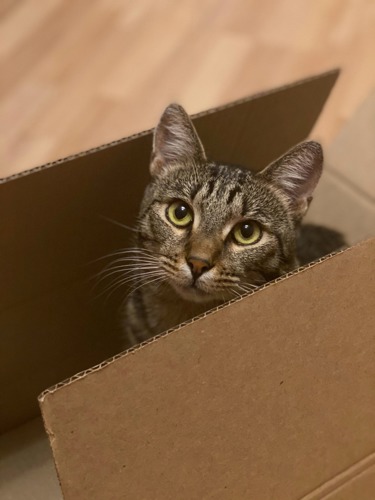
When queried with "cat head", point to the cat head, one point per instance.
{"points": [[215, 229]]}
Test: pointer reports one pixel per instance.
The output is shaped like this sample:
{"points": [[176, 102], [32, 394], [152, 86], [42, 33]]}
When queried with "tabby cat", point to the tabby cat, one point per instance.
{"points": [[208, 231]]}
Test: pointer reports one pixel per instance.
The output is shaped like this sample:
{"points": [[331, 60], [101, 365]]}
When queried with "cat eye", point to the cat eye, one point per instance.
{"points": [[179, 214], [247, 233]]}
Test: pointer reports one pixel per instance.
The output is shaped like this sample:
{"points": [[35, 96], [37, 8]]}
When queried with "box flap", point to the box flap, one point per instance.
{"points": [[269, 397], [53, 229]]}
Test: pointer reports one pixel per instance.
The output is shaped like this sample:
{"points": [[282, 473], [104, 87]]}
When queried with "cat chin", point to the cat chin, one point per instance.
{"points": [[193, 294]]}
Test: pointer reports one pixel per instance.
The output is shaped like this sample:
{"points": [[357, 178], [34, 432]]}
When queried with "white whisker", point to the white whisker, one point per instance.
{"points": [[125, 270], [126, 251], [235, 292], [122, 281], [115, 222], [160, 278]]}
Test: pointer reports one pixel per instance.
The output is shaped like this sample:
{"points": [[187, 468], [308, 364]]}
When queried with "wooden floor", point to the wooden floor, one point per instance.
{"points": [[78, 74]]}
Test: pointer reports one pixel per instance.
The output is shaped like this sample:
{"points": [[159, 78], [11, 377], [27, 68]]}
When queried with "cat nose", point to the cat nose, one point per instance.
{"points": [[198, 266]]}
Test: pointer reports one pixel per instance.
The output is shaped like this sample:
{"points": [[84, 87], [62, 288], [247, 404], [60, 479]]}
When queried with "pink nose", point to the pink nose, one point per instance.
{"points": [[198, 266]]}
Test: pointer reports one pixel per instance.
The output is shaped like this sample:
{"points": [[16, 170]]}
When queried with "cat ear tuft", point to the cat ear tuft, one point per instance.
{"points": [[297, 173], [175, 140]]}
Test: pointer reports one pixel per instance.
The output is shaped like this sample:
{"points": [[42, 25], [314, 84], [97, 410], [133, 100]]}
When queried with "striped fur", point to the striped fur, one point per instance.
{"points": [[165, 292]]}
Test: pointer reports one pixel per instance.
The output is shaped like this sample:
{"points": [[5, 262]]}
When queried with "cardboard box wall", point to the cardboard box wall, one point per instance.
{"points": [[67, 199]]}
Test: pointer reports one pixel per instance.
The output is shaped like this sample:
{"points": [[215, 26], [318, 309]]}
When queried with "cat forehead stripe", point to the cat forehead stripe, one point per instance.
{"points": [[169, 284], [232, 193]]}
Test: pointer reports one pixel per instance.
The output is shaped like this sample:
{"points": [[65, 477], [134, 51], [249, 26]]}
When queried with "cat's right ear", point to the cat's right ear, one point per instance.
{"points": [[175, 141]]}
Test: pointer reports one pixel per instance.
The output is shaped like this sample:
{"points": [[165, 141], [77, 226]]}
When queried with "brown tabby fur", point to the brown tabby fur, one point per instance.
{"points": [[165, 292]]}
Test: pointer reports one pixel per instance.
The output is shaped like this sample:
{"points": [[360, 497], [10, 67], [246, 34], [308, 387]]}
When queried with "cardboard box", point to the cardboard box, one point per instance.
{"points": [[271, 396]]}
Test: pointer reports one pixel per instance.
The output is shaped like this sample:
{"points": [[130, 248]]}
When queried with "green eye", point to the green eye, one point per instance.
{"points": [[247, 233], [179, 213]]}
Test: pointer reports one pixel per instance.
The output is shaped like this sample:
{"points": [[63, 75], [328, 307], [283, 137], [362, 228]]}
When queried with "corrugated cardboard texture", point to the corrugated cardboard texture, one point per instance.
{"points": [[266, 398], [52, 230]]}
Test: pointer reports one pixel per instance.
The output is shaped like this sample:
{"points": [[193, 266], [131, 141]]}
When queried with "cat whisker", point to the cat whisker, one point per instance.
{"points": [[115, 222], [127, 263], [246, 288], [167, 269], [131, 262], [135, 250], [143, 250], [238, 289], [122, 281], [133, 254], [133, 277], [251, 286], [232, 290], [106, 273], [125, 252], [160, 279], [132, 250]]}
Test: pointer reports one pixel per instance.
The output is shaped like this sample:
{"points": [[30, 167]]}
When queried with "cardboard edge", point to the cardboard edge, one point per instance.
{"points": [[334, 73], [83, 374], [51, 438], [342, 479]]}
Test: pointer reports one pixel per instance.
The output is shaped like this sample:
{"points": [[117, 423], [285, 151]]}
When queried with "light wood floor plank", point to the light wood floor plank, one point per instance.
{"points": [[77, 74]]}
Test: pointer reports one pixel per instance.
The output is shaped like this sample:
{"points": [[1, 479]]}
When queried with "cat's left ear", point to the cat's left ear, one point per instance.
{"points": [[175, 141], [297, 173]]}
